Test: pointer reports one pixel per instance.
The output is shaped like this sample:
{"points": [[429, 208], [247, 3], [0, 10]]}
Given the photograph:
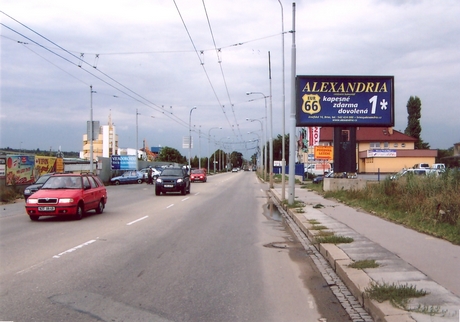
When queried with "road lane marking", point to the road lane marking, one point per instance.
{"points": [[75, 248], [170, 206], [185, 199], [135, 221]]}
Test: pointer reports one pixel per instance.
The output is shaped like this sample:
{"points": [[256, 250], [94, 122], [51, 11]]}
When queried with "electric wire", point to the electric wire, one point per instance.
{"points": [[154, 107], [204, 68], [219, 60]]}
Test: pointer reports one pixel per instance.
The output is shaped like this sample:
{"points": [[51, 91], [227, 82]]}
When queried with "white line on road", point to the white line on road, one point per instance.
{"points": [[135, 221], [185, 199], [170, 206], [75, 248]]}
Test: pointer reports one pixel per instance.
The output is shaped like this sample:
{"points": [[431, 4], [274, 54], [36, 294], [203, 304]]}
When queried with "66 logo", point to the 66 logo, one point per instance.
{"points": [[311, 104]]}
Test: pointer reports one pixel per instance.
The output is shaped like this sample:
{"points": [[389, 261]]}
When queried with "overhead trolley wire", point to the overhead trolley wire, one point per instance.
{"points": [[80, 59], [219, 60], [204, 68]]}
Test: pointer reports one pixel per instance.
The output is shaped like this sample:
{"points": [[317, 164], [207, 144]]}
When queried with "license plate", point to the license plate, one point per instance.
{"points": [[169, 186], [45, 208]]}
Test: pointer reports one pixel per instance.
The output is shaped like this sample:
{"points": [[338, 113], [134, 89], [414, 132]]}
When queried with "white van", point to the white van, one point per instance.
{"points": [[317, 168]]}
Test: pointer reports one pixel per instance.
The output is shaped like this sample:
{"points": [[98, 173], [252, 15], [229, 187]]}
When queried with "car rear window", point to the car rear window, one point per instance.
{"points": [[172, 172]]}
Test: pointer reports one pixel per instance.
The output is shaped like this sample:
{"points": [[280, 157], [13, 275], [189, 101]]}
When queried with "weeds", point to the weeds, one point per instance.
{"points": [[295, 204], [397, 295], [318, 227], [366, 263], [9, 195], [428, 204], [333, 239]]}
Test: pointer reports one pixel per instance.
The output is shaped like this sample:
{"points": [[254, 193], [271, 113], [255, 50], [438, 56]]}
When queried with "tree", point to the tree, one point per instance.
{"points": [[236, 159], [168, 154], [414, 111], [278, 148]]}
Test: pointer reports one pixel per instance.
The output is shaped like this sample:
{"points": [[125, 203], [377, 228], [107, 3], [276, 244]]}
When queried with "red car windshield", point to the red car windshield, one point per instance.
{"points": [[63, 182]]}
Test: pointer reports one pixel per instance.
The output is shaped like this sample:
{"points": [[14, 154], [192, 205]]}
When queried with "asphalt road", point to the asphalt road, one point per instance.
{"points": [[217, 254]]}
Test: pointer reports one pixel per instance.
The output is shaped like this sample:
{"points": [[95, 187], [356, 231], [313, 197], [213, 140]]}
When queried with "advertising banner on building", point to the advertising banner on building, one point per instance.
{"points": [[123, 162], [313, 135], [19, 169], [344, 101], [381, 153]]}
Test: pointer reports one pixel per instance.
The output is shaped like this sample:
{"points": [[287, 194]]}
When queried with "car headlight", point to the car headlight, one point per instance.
{"points": [[27, 191], [66, 200], [159, 180], [32, 201], [179, 180]]}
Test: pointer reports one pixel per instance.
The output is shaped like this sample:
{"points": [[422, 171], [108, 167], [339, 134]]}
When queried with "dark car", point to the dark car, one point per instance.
{"points": [[320, 178], [173, 180], [67, 195], [36, 186]]}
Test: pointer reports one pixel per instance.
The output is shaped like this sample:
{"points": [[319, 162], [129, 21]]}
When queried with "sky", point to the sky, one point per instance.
{"points": [[150, 63]]}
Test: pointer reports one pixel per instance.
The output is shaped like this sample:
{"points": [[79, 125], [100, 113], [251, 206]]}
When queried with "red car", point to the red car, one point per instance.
{"points": [[198, 175], [67, 195]]}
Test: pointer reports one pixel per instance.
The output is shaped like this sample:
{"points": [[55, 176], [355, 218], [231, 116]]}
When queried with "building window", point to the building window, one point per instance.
{"points": [[403, 145], [375, 144], [385, 144], [395, 145]]}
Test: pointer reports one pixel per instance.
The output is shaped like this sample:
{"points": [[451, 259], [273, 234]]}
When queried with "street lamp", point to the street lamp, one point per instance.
{"points": [[190, 138], [265, 161], [137, 140], [283, 158], [209, 143], [258, 152], [266, 129], [91, 130]]}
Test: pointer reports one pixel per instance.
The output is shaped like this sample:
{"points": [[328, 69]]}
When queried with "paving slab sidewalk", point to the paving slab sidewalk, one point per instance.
{"points": [[404, 257]]}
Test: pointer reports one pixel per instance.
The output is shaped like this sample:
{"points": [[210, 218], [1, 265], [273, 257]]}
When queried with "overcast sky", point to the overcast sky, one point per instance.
{"points": [[164, 57]]}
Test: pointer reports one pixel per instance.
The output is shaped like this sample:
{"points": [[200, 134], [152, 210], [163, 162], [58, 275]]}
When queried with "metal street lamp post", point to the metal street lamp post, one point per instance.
{"points": [[283, 153], [209, 143], [265, 132], [258, 152], [190, 139], [265, 161]]}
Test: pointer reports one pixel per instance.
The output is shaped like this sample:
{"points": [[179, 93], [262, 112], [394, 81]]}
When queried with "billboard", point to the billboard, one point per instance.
{"points": [[344, 101], [123, 162], [324, 152], [19, 169]]}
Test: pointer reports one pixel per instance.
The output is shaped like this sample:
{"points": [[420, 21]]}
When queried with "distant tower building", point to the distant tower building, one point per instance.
{"points": [[105, 145]]}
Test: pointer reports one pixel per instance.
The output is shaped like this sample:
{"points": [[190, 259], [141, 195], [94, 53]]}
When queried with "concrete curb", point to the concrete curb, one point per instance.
{"points": [[356, 280]]}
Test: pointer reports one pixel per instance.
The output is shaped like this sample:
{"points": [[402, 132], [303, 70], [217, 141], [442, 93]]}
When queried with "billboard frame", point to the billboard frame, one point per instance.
{"points": [[333, 101]]}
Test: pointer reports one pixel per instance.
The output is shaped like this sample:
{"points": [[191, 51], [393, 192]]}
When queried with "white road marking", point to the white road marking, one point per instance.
{"points": [[170, 206], [135, 221], [185, 199], [75, 248]]}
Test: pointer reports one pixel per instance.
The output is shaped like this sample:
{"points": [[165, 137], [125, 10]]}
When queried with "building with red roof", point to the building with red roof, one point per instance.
{"points": [[378, 149]]}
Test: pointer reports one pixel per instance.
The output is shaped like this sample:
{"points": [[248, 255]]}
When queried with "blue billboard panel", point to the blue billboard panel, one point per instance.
{"points": [[123, 162], [345, 101]]}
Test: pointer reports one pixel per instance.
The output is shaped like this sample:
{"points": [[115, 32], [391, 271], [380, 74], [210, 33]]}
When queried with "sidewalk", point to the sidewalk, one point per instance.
{"points": [[404, 256]]}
